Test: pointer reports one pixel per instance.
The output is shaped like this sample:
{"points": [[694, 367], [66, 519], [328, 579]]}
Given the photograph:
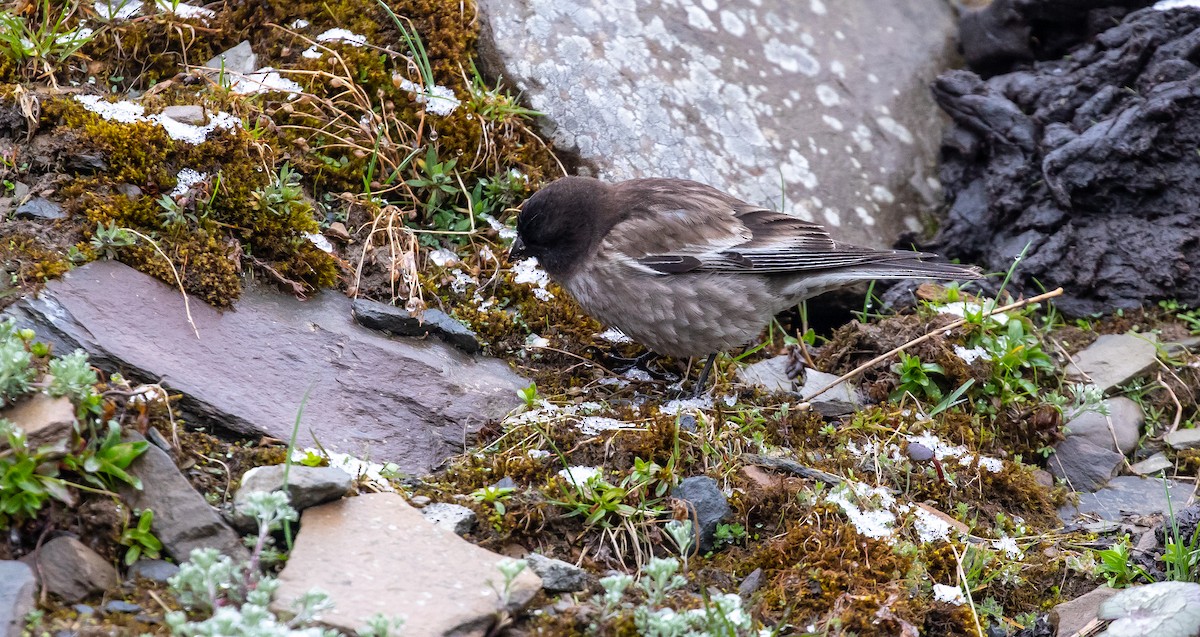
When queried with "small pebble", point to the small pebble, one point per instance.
{"points": [[919, 452]]}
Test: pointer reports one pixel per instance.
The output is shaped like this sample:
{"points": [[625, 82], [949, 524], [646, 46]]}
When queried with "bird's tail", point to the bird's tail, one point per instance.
{"points": [[881, 265], [910, 265]]}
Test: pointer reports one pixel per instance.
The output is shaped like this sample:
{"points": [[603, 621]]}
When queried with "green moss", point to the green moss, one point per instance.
{"points": [[228, 221]]}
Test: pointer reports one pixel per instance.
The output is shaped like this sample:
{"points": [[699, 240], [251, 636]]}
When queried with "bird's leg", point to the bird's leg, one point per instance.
{"points": [[696, 393]]}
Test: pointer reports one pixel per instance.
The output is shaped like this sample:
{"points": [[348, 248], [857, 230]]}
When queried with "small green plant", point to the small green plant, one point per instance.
{"points": [[915, 378], [71, 376], [494, 105], [437, 188], [511, 570], [103, 460], [495, 496], [16, 364], [1115, 566], [730, 534], [721, 614], [680, 532], [530, 395], [27, 480], [1191, 317], [382, 626], [139, 539], [1017, 359], [44, 42], [1084, 398], [109, 239]]}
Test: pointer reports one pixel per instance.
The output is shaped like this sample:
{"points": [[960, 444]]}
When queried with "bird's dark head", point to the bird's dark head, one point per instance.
{"points": [[562, 223]]}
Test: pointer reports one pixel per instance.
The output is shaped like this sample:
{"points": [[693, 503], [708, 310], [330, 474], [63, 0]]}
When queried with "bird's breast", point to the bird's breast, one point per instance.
{"points": [[677, 315]]}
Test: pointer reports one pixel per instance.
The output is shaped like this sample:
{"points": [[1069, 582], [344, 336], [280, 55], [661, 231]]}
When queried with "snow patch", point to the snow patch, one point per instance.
{"points": [[528, 272], [952, 595]]}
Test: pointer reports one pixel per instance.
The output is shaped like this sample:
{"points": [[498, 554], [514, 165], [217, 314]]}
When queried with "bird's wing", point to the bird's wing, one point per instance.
{"points": [[673, 227]]}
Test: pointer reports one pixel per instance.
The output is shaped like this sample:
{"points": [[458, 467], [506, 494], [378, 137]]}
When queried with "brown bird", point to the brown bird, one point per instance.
{"points": [[687, 270]]}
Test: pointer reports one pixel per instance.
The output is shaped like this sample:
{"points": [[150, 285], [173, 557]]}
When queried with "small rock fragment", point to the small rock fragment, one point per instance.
{"points": [[918, 452], [770, 374], [17, 588], [1070, 617], [153, 570], [1083, 465], [505, 483], [1153, 464], [706, 504], [452, 517], [306, 487], [72, 571], [40, 208], [337, 230], [398, 321], [839, 401], [1183, 439], [751, 584], [1044, 478], [763, 479], [129, 190], [452, 331], [558, 576], [121, 606], [187, 114], [46, 421], [1115, 359], [239, 59]]}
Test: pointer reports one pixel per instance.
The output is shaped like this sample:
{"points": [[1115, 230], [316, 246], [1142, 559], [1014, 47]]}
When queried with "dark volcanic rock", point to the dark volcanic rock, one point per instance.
{"points": [[707, 506], [1090, 159], [406, 401], [1003, 33]]}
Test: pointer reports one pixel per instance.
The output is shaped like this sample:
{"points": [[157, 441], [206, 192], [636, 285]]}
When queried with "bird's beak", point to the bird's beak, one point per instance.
{"points": [[517, 251]]}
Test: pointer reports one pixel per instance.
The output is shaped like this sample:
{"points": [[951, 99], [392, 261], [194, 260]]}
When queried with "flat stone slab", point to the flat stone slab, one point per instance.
{"points": [[376, 554], [830, 98], [1115, 359], [1129, 495], [395, 400]]}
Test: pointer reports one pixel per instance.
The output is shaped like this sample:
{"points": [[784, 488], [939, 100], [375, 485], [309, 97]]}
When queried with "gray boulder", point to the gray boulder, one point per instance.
{"points": [[829, 98]]}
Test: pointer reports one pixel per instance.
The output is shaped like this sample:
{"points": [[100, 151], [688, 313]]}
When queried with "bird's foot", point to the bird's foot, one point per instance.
{"points": [[623, 365]]}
